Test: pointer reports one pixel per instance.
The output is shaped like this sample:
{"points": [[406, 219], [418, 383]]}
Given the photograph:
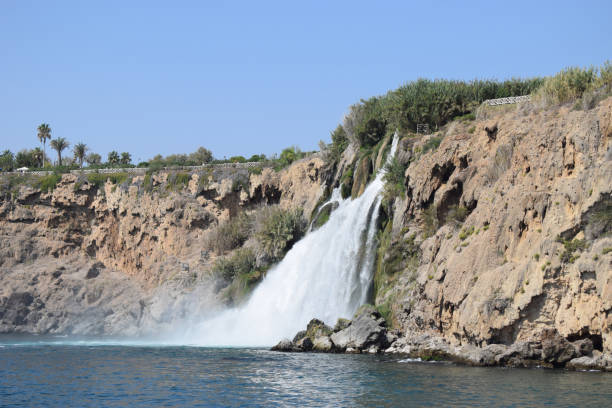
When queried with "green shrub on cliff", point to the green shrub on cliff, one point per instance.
{"points": [[230, 234], [432, 144], [432, 102], [98, 179], [394, 179], [570, 84], [277, 229], [48, 183], [241, 262], [567, 85], [570, 247]]}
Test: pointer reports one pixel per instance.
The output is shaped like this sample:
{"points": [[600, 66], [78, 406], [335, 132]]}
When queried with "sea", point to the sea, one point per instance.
{"points": [[63, 372]]}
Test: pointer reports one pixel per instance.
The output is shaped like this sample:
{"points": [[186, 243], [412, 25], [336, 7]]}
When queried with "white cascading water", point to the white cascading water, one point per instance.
{"points": [[326, 275]]}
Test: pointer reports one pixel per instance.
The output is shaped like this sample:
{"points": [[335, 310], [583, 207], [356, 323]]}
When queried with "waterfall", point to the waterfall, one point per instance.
{"points": [[326, 275]]}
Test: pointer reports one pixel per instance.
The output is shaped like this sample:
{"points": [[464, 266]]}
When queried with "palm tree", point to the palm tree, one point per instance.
{"points": [[38, 155], [60, 144], [44, 133], [126, 158], [79, 150], [113, 157]]}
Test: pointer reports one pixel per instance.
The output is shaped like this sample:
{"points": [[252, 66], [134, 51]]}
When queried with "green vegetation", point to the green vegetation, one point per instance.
{"points": [[430, 221], [393, 256], [231, 233], [125, 159], [277, 229], [113, 158], [432, 144], [536, 257], [571, 247], [98, 179], [346, 182], [240, 183], [255, 170], [59, 145], [394, 179], [606, 250], [385, 311], [94, 159], [465, 233], [48, 183], [456, 214], [178, 181], [600, 220], [322, 216], [44, 134], [573, 83], [13, 183], [241, 262], [79, 150], [7, 160], [335, 149], [425, 101]]}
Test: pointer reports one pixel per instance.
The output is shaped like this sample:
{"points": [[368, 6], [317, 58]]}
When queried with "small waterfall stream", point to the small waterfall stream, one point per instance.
{"points": [[326, 275]]}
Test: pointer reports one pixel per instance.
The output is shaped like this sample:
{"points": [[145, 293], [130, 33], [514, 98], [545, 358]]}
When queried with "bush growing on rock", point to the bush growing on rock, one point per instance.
{"points": [[277, 229], [230, 234], [394, 179], [48, 183], [241, 262], [456, 214]]}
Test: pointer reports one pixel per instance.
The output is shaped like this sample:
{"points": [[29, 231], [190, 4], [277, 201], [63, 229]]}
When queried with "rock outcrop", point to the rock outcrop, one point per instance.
{"points": [[367, 333]]}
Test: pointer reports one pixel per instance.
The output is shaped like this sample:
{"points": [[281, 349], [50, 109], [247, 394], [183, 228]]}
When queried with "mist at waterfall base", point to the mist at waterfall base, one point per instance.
{"points": [[326, 275]]}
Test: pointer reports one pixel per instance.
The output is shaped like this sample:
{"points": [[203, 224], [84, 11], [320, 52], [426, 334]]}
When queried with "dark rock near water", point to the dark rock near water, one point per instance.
{"points": [[284, 345], [304, 344], [365, 333]]}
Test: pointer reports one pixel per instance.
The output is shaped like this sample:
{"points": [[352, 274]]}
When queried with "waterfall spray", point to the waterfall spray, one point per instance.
{"points": [[326, 275]]}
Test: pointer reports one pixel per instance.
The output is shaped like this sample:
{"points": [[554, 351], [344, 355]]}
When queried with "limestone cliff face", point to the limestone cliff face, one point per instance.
{"points": [[512, 219], [112, 258]]}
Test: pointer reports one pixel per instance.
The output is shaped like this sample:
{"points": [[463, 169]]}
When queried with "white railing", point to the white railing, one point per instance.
{"points": [[508, 100]]}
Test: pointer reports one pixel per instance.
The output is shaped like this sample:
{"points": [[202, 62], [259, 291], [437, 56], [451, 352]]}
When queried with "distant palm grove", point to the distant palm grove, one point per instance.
{"points": [[37, 158], [430, 102]]}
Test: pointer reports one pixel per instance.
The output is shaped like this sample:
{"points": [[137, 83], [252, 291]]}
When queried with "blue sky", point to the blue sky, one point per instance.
{"points": [[254, 77]]}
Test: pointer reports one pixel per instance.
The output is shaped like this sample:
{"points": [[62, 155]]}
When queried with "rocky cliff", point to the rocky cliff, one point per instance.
{"points": [[501, 237], [127, 255]]}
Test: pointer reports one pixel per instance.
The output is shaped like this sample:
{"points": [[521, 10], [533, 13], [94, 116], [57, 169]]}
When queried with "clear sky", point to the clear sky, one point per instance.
{"points": [[252, 77]]}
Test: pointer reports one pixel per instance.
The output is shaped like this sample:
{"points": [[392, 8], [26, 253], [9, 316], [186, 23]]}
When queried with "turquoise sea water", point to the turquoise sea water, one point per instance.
{"points": [[87, 374]]}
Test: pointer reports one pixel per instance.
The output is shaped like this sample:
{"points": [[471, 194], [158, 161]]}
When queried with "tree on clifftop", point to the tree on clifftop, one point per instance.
{"points": [[79, 150], [44, 133], [126, 158], [94, 159], [113, 157], [59, 145], [38, 155]]}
